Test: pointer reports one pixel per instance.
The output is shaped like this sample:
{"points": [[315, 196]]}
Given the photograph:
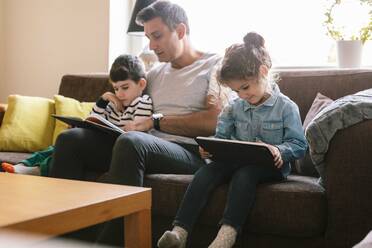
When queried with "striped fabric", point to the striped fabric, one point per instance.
{"points": [[140, 107]]}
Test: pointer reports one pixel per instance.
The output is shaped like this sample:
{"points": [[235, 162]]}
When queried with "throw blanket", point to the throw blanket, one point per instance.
{"points": [[342, 113]]}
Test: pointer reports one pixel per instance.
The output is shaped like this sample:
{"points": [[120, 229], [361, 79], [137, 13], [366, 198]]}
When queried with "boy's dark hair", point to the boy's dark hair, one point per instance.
{"points": [[243, 61], [127, 67], [170, 13]]}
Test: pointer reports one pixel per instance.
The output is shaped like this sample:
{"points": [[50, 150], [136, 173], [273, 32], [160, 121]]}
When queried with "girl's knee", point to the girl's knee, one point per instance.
{"points": [[208, 177], [246, 174]]}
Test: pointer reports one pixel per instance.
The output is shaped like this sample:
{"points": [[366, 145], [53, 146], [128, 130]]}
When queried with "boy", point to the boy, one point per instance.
{"points": [[121, 108]]}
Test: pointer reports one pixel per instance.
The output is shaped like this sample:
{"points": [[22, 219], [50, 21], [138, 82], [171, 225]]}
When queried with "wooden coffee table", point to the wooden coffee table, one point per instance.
{"points": [[51, 207]]}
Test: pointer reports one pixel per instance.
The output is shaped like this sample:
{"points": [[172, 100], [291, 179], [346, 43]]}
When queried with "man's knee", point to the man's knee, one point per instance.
{"points": [[67, 137], [131, 140]]}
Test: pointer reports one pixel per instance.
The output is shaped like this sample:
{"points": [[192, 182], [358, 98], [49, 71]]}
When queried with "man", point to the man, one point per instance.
{"points": [[186, 104]]}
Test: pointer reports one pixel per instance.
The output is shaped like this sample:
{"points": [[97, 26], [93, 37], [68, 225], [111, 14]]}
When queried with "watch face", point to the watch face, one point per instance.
{"points": [[157, 116]]}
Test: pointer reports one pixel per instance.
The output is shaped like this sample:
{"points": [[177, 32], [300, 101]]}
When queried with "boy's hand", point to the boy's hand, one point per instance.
{"points": [[204, 154], [129, 126], [142, 124], [278, 161], [111, 97]]}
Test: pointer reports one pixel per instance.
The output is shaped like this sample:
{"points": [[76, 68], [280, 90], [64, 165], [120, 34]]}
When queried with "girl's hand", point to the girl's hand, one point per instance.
{"points": [[111, 97], [204, 154], [278, 161]]}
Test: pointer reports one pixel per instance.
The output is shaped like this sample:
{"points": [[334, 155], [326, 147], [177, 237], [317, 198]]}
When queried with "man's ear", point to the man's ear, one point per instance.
{"points": [[264, 71], [181, 30], [142, 83]]}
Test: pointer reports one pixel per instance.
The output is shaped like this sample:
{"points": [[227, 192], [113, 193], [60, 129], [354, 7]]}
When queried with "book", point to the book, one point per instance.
{"points": [[236, 151], [93, 121]]}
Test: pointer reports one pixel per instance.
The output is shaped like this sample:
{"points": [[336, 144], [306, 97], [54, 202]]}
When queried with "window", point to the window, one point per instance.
{"points": [[293, 30]]}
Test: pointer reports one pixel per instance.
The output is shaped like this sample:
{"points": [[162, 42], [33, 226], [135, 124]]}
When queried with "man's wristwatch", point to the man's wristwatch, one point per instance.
{"points": [[156, 119]]}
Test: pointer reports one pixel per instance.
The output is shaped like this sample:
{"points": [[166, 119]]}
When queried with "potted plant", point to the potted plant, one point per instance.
{"points": [[349, 22]]}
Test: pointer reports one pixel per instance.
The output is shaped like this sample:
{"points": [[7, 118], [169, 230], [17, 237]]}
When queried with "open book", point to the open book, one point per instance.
{"points": [[235, 151], [93, 121]]}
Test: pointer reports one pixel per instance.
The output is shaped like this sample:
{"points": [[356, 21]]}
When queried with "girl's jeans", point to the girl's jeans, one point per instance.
{"points": [[243, 181]]}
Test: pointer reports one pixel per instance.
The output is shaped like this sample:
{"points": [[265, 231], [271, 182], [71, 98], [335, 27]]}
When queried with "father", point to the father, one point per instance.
{"points": [[186, 102]]}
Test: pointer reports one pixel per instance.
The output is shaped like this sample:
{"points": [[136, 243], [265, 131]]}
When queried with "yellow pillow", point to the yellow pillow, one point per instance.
{"points": [[69, 107], [27, 125]]}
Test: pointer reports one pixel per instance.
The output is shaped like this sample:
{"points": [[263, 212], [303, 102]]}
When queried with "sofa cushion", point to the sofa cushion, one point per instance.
{"points": [[305, 166], [342, 113], [319, 103], [27, 125], [69, 107], [13, 157], [296, 207], [3, 108]]}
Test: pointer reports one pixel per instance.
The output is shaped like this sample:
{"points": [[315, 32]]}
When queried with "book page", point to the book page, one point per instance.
{"points": [[101, 120]]}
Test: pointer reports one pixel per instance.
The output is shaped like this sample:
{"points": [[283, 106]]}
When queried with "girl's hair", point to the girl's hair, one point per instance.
{"points": [[127, 67], [243, 61], [170, 13]]}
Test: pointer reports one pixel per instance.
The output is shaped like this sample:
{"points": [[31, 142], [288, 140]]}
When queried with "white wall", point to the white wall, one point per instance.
{"points": [[45, 39], [120, 42], [1, 50]]}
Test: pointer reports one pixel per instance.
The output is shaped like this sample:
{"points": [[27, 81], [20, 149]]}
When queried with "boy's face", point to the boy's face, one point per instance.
{"points": [[164, 42], [250, 90], [128, 90]]}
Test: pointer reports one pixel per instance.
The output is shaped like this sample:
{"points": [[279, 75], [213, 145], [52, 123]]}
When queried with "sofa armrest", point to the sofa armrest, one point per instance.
{"points": [[349, 185], [3, 108]]}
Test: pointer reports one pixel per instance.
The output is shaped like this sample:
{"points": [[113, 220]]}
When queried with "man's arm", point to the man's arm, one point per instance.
{"points": [[202, 123]]}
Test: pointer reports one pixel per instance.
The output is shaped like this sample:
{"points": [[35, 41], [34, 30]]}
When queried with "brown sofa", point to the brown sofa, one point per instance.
{"points": [[294, 213]]}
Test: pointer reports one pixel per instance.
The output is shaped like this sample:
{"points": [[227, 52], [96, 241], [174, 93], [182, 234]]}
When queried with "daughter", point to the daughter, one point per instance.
{"points": [[261, 113]]}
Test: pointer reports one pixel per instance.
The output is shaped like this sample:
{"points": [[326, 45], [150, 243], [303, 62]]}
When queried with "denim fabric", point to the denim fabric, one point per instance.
{"points": [[242, 191], [276, 121]]}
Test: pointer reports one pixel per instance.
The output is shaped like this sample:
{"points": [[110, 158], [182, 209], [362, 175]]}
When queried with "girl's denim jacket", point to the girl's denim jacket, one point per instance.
{"points": [[276, 121]]}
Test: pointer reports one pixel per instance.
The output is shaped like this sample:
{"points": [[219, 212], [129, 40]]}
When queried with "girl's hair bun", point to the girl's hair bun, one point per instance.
{"points": [[253, 39]]}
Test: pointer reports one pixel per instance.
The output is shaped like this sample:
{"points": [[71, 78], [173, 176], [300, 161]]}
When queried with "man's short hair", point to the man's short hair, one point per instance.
{"points": [[170, 13]]}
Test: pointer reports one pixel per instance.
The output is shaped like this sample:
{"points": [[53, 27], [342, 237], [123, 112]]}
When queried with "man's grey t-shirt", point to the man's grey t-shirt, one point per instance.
{"points": [[182, 91]]}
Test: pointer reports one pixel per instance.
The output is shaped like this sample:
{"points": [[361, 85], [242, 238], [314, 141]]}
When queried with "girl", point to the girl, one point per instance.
{"points": [[261, 113], [122, 108]]}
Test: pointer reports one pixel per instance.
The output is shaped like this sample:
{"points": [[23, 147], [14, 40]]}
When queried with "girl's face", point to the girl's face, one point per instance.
{"points": [[128, 90], [250, 90]]}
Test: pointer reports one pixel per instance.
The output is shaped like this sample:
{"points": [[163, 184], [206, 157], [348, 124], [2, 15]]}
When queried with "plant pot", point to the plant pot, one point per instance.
{"points": [[349, 53]]}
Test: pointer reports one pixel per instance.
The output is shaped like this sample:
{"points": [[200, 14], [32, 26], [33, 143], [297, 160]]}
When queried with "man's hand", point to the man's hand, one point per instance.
{"points": [[139, 124], [278, 161], [111, 97]]}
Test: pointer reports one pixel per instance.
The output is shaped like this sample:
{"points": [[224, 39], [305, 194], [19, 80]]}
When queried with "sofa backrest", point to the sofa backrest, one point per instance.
{"points": [[85, 88], [300, 85], [303, 85]]}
